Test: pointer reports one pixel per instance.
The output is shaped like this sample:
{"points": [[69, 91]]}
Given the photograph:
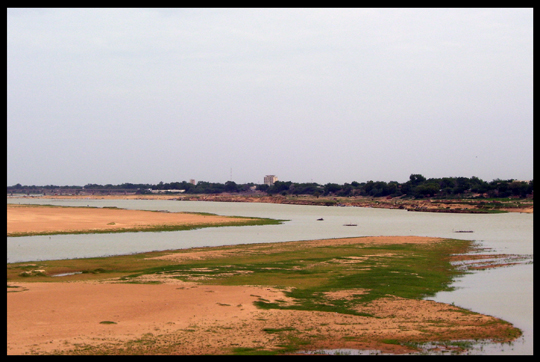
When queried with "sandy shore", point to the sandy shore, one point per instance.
{"points": [[28, 219], [191, 319], [178, 317], [51, 316]]}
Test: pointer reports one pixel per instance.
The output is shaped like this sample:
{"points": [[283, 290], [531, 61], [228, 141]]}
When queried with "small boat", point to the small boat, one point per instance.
{"points": [[464, 231], [321, 219], [350, 225]]}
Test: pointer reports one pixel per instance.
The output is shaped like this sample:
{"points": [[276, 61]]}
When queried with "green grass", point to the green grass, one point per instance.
{"points": [[243, 351], [411, 271], [304, 271], [277, 330]]}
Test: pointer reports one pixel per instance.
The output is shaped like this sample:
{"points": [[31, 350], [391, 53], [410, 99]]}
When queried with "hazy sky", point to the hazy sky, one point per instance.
{"points": [[324, 95]]}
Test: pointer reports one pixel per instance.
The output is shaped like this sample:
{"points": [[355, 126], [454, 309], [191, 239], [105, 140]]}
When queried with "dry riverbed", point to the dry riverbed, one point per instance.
{"points": [[255, 299]]}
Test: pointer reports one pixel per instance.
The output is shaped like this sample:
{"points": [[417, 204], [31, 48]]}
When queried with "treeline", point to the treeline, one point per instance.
{"points": [[416, 187], [202, 187]]}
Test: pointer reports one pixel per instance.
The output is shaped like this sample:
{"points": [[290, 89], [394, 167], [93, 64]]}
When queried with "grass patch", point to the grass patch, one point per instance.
{"points": [[278, 330], [309, 273], [243, 351]]}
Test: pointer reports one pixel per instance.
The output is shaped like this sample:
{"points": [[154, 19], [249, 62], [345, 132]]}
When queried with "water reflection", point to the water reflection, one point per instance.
{"points": [[440, 349]]}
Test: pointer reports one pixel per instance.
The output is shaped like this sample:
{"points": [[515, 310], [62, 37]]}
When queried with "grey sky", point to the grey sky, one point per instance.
{"points": [[323, 95]]}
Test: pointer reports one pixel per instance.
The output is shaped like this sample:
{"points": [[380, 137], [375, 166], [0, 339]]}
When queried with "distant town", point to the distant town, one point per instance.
{"points": [[417, 186]]}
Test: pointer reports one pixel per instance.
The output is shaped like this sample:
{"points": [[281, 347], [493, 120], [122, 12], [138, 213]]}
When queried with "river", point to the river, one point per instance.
{"points": [[506, 292]]}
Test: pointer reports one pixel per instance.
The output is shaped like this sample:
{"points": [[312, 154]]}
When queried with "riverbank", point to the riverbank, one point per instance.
{"points": [[424, 205], [360, 293]]}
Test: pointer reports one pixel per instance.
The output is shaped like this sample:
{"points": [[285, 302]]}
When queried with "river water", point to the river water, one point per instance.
{"points": [[505, 293]]}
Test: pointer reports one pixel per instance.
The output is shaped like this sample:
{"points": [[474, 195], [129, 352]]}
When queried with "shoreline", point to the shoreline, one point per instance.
{"points": [[421, 205], [194, 313], [182, 302]]}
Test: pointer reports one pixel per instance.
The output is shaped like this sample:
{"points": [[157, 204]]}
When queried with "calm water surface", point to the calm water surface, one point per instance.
{"points": [[505, 293]]}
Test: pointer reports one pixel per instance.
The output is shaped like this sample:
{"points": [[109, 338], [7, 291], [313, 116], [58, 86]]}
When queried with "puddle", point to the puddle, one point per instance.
{"points": [[433, 348], [65, 274]]}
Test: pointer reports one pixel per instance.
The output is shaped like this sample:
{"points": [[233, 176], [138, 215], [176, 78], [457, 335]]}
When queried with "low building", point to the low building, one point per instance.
{"points": [[165, 191]]}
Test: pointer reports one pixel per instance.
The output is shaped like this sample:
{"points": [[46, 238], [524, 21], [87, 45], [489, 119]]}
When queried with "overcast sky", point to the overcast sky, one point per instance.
{"points": [[111, 96]]}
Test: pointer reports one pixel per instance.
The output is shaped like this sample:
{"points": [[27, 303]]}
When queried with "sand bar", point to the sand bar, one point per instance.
{"points": [[183, 317], [36, 219], [190, 319]]}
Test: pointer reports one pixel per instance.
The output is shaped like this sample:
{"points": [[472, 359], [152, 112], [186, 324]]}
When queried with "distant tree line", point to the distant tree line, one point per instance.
{"points": [[416, 187]]}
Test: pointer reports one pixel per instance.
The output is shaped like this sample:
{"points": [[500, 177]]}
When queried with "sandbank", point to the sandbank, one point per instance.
{"points": [[181, 317], [29, 219]]}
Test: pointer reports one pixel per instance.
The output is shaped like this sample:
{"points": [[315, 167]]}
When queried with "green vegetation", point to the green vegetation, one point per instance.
{"points": [[417, 187], [307, 272], [242, 351], [277, 330]]}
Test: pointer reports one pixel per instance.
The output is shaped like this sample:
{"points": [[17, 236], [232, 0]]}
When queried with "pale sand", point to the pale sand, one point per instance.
{"points": [[187, 318], [28, 219], [276, 247], [49, 316], [195, 319]]}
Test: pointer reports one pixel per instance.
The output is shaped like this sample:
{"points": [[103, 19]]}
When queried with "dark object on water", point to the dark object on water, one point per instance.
{"points": [[321, 219], [464, 231], [350, 225]]}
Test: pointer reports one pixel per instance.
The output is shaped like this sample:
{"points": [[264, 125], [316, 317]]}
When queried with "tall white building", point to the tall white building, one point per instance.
{"points": [[270, 179]]}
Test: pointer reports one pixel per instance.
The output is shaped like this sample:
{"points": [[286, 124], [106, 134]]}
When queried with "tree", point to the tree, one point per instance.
{"points": [[427, 189], [230, 186], [346, 190], [279, 187], [447, 182], [304, 188], [393, 188], [331, 188], [368, 187], [416, 179], [518, 188], [478, 185]]}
